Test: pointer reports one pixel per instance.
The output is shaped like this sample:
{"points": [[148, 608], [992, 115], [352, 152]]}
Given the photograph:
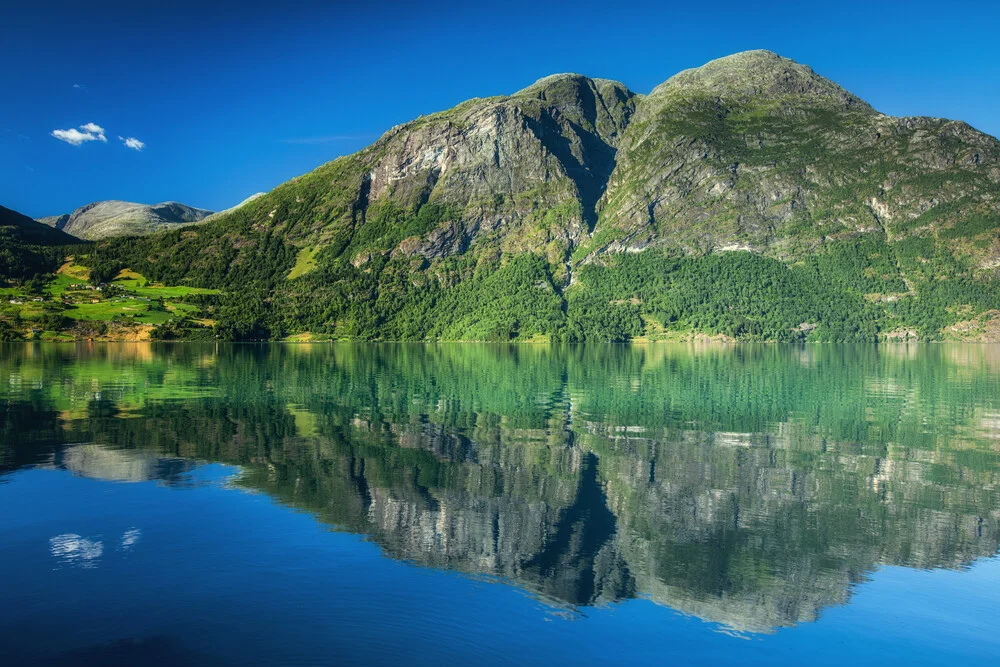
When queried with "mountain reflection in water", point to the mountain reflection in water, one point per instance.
{"points": [[747, 485]]}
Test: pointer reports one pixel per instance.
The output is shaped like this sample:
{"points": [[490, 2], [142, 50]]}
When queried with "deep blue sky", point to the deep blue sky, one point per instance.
{"points": [[231, 99]]}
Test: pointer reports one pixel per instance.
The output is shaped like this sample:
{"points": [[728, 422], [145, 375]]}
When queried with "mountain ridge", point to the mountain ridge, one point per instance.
{"points": [[107, 218], [32, 231], [256, 195], [749, 198], [758, 73]]}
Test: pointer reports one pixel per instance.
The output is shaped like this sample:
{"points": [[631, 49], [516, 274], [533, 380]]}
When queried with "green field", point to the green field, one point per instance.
{"points": [[129, 299]]}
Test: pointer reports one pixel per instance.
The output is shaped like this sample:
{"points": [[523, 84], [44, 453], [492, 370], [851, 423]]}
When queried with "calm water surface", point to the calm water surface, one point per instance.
{"points": [[395, 504]]}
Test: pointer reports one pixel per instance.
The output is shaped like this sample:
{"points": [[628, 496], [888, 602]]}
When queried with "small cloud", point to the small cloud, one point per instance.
{"points": [[74, 137], [80, 86], [94, 128], [132, 143]]}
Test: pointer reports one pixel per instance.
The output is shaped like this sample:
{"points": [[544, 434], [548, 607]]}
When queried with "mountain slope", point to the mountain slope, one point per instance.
{"points": [[28, 248], [105, 219], [757, 151], [246, 201], [30, 231], [523, 216]]}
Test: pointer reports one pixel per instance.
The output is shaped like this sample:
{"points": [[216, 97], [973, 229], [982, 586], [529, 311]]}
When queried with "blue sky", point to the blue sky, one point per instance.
{"points": [[231, 99]]}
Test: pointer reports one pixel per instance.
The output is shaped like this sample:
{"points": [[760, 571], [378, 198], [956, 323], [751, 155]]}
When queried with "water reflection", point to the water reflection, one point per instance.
{"points": [[120, 465], [750, 486], [73, 550]]}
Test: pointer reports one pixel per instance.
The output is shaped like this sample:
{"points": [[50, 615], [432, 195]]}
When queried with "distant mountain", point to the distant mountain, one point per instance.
{"points": [[106, 219], [748, 198], [246, 201]]}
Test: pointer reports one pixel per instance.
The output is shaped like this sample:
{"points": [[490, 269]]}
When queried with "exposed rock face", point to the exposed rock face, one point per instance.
{"points": [[521, 171], [750, 151], [105, 219], [758, 74], [756, 150], [504, 164]]}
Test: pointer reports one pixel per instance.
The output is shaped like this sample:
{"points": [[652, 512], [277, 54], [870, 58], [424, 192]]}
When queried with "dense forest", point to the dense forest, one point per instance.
{"points": [[853, 291]]}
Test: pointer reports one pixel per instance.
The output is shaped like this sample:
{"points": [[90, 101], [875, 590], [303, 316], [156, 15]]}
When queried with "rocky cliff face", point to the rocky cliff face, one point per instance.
{"points": [[522, 172], [106, 219], [756, 151], [748, 151]]}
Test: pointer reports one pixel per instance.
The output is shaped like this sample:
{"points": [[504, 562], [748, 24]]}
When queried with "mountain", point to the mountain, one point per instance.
{"points": [[757, 151], [26, 230], [27, 249], [749, 198], [246, 201], [105, 219]]}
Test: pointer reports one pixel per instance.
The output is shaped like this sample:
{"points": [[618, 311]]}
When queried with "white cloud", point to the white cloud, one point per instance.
{"points": [[91, 132], [132, 143], [74, 136], [95, 129]]}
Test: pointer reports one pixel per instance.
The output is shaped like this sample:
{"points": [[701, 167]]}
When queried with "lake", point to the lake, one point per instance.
{"points": [[492, 504]]}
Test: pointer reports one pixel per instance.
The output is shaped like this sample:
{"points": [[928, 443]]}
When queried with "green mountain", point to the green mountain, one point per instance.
{"points": [[28, 248], [106, 219], [233, 208], [749, 198], [17, 226]]}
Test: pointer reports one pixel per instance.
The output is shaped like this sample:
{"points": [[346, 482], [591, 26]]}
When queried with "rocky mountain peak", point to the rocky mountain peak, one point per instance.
{"points": [[757, 74], [105, 219], [557, 87], [602, 106]]}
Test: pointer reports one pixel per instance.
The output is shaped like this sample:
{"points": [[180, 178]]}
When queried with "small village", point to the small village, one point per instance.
{"points": [[68, 307]]}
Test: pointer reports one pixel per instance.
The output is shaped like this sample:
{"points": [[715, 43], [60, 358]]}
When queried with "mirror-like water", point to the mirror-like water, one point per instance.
{"points": [[410, 504]]}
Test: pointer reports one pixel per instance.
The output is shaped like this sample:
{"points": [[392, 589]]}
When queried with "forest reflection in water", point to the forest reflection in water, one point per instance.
{"points": [[752, 486]]}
